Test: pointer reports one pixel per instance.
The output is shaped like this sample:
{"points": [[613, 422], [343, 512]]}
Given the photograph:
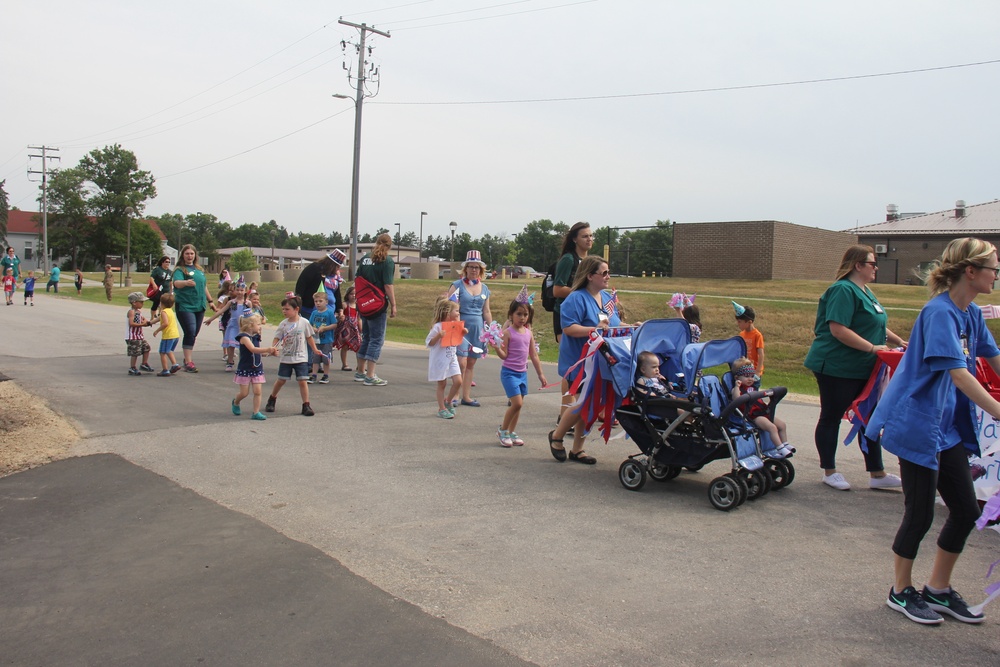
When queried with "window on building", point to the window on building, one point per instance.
{"points": [[28, 250]]}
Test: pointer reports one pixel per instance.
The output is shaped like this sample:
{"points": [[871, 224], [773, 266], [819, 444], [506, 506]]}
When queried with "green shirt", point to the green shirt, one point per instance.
{"points": [[189, 299], [161, 278], [857, 309], [379, 275], [565, 272]]}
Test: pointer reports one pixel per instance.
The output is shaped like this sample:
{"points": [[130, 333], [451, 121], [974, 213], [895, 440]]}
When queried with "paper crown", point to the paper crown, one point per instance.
{"points": [[337, 257], [473, 257], [524, 297], [454, 296], [738, 309], [681, 300]]}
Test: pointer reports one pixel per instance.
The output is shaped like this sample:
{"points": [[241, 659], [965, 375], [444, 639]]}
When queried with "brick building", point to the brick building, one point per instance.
{"points": [[757, 250], [905, 244]]}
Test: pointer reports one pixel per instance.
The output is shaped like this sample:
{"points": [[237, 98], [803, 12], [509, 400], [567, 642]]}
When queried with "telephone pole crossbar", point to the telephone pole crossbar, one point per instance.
{"points": [[45, 196]]}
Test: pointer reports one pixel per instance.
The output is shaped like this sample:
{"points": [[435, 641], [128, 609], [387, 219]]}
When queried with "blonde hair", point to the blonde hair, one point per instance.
{"points": [[247, 320], [853, 255], [587, 267], [443, 308], [957, 255], [382, 246]]}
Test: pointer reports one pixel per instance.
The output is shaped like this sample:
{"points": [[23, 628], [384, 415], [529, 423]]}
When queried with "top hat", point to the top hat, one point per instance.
{"points": [[473, 257], [338, 257]]}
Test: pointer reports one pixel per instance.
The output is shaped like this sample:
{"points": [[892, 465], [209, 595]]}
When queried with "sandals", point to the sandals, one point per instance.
{"points": [[560, 453], [346, 368], [582, 457]]}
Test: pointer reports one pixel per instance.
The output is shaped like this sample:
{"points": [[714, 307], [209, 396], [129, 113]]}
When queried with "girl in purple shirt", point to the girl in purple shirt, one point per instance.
{"points": [[517, 346]]}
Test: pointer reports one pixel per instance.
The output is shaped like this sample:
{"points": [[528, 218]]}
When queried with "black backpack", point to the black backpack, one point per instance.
{"points": [[548, 285]]}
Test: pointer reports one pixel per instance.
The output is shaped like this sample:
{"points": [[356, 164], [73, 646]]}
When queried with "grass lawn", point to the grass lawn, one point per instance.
{"points": [[786, 311]]}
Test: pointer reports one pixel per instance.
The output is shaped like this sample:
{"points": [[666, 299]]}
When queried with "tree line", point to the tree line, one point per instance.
{"points": [[91, 205]]}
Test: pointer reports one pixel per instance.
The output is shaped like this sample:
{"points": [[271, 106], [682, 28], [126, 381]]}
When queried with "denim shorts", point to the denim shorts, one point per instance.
{"points": [[372, 336], [168, 345], [515, 383], [301, 371]]}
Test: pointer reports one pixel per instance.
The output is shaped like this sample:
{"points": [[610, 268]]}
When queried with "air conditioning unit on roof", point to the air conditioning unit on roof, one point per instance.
{"points": [[881, 249]]}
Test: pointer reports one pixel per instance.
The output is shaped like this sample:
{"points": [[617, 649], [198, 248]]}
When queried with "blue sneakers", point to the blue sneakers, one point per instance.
{"points": [[911, 604], [951, 603]]}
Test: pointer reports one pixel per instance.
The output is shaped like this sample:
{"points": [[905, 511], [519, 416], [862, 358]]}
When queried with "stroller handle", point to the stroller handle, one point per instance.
{"points": [[774, 393]]}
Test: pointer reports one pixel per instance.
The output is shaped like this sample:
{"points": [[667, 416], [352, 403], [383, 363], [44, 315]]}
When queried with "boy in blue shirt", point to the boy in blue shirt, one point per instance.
{"points": [[29, 288], [324, 321]]}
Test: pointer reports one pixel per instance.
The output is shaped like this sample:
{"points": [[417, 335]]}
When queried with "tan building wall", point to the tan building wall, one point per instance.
{"points": [[904, 254], [757, 250]]}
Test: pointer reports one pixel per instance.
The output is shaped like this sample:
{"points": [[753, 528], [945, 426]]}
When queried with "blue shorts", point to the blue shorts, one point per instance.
{"points": [[301, 371], [515, 383], [325, 348], [168, 345]]}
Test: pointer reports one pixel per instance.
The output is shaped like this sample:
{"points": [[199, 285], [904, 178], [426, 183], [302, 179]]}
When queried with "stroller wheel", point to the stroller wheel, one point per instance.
{"points": [[724, 493], [790, 471], [778, 469], [632, 474], [742, 483], [758, 482], [663, 473]]}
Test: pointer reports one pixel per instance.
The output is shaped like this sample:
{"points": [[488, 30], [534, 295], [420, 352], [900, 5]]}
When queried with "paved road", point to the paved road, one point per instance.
{"points": [[553, 563]]}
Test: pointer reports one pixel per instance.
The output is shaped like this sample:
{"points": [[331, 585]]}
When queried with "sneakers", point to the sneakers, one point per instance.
{"points": [[360, 377], [189, 367], [258, 416], [271, 400], [307, 410], [911, 604], [890, 481], [163, 374], [504, 437], [446, 414], [837, 481], [133, 371], [375, 381], [515, 438], [312, 379], [325, 379], [175, 368], [229, 368], [236, 408], [147, 368], [951, 603]]}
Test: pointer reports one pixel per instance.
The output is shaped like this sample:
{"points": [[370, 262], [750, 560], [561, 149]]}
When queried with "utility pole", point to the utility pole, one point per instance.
{"points": [[45, 196], [359, 98]]}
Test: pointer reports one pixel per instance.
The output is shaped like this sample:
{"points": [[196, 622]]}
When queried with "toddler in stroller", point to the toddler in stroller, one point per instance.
{"points": [[758, 412]]}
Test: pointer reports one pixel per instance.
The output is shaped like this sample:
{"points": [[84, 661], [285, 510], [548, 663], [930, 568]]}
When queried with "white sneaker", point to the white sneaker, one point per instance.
{"points": [[837, 481], [890, 481]]}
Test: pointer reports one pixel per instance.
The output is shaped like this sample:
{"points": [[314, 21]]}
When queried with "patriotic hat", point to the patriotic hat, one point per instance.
{"points": [[473, 257], [338, 257]]}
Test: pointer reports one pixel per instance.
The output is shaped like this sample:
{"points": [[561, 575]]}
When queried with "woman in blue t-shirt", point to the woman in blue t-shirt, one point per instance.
{"points": [[927, 419], [585, 310]]}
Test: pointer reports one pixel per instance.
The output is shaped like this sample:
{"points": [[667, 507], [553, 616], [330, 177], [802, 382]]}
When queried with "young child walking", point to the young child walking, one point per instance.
{"points": [[255, 306], [517, 346], [9, 282], [236, 301], [135, 343], [293, 340], [347, 335], [323, 321], [250, 372], [745, 317], [442, 361], [756, 412], [29, 288], [171, 334]]}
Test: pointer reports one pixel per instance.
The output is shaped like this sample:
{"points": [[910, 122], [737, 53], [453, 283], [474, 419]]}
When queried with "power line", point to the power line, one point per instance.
{"points": [[692, 91], [487, 18], [462, 11], [250, 150]]}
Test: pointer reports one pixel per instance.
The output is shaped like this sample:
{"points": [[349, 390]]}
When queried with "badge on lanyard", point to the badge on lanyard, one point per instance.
{"points": [[965, 344], [878, 308]]}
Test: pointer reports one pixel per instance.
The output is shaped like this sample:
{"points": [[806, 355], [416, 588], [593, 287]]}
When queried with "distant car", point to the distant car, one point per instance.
{"points": [[521, 272]]}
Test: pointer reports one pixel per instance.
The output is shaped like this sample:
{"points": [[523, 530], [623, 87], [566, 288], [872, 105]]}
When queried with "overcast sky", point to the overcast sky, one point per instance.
{"points": [[186, 84]]}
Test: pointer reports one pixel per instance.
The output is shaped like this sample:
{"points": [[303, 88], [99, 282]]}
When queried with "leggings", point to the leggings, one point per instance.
{"points": [[190, 325], [953, 480], [835, 396]]}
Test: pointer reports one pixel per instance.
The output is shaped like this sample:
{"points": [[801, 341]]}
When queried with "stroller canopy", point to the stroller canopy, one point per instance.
{"points": [[699, 356], [667, 338]]}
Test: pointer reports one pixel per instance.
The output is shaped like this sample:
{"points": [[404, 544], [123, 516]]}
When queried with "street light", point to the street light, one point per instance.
{"points": [[129, 211], [273, 232], [398, 238], [420, 241], [454, 226]]}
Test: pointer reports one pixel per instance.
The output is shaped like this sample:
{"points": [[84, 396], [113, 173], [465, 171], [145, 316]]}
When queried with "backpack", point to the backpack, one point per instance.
{"points": [[548, 287]]}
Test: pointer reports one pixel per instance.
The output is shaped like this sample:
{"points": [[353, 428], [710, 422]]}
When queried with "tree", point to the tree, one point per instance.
{"points": [[145, 245], [118, 184], [540, 243], [4, 209], [70, 226], [306, 241], [646, 250], [243, 260], [336, 238]]}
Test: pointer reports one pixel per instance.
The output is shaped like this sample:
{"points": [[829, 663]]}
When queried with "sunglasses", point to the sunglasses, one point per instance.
{"points": [[604, 274], [875, 264]]}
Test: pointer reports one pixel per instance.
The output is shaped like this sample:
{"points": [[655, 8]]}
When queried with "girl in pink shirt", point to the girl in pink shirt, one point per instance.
{"points": [[517, 346]]}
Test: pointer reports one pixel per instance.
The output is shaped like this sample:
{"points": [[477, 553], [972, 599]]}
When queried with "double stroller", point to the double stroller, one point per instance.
{"points": [[703, 424]]}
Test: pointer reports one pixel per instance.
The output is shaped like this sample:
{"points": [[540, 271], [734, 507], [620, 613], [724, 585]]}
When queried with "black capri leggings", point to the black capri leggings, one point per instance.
{"points": [[953, 480], [835, 396]]}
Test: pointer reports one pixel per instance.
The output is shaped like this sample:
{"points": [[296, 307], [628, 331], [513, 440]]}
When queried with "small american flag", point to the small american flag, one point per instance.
{"points": [[612, 303], [990, 312]]}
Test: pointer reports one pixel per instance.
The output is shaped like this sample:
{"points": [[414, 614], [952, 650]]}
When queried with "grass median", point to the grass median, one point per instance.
{"points": [[786, 311]]}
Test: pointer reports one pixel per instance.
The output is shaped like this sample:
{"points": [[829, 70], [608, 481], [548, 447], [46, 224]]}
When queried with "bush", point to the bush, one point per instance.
{"points": [[242, 260]]}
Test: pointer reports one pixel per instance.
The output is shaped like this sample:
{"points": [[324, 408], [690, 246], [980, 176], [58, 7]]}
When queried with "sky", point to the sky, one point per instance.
{"points": [[494, 113]]}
